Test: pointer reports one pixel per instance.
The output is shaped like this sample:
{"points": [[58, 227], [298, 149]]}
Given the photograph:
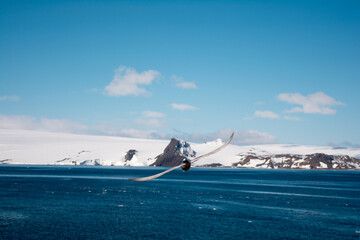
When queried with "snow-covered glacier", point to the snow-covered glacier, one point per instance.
{"points": [[37, 147]]}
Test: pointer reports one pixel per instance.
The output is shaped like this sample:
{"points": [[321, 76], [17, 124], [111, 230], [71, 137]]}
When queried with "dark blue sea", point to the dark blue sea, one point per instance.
{"points": [[62, 202]]}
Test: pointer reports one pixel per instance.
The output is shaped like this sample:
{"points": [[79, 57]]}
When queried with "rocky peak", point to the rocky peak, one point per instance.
{"points": [[174, 153]]}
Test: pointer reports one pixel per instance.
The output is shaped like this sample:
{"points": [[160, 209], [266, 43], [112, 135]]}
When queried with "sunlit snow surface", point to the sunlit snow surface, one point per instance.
{"points": [[36, 147], [80, 202]]}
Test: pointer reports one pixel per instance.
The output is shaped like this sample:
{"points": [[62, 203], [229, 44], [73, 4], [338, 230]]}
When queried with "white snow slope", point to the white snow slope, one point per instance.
{"points": [[36, 147]]}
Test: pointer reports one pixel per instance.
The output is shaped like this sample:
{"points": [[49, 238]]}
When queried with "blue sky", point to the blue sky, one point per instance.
{"points": [[274, 72]]}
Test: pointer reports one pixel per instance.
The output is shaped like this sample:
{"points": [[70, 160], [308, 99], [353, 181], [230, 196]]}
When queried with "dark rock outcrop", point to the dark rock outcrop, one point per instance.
{"points": [[310, 161], [315, 160], [174, 154], [5, 161], [130, 154], [212, 165]]}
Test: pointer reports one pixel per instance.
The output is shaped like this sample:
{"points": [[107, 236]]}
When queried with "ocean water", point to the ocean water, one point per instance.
{"points": [[63, 202]]}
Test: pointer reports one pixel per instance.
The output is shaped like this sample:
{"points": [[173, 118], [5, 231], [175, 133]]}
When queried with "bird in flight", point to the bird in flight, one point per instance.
{"points": [[186, 164]]}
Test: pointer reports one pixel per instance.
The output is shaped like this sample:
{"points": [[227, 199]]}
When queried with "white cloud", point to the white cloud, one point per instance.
{"points": [[292, 118], [148, 134], [62, 125], [17, 122], [180, 83], [186, 85], [344, 144], [182, 107], [152, 114], [44, 124], [248, 137], [266, 114], [151, 119], [317, 103], [127, 82], [150, 122], [244, 137], [10, 98]]}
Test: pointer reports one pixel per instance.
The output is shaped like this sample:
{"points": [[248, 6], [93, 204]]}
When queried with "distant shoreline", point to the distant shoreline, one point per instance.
{"points": [[156, 167]]}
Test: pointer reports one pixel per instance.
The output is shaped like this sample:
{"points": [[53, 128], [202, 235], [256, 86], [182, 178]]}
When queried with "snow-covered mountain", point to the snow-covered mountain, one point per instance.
{"points": [[36, 147], [174, 154]]}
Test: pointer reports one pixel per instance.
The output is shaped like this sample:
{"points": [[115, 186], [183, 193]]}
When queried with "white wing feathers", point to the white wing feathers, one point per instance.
{"points": [[153, 176], [214, 151]]}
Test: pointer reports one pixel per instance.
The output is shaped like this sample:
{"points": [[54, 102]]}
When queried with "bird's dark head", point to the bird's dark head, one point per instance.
{"points": [[186, 165]]}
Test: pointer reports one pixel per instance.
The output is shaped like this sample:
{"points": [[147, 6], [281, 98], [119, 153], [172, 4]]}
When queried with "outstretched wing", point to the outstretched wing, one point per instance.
{"points": [[154, 176], [192, 161], [214, 151]]}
